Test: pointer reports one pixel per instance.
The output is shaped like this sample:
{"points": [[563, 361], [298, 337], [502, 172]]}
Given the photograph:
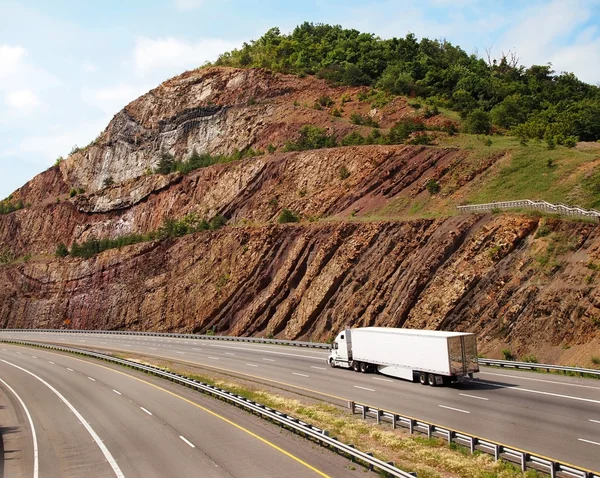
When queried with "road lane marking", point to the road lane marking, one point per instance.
{"points": [[251, 365], [473, 396], [594, 421], [318, 368], [383, 379], [111, 460], [70, 369], [33, 434], [92, 379], [196, 349], [455, 409], [152, 348], [50, 361], [266, 351], [589, 441], [528, 390], [540, 380], [19, 353], [229, 353], [147, 411], [182, 353], [300, 374], [214, 358], [364, 388], [33, 356], [117, 392], [269, 360], [187, 441]]}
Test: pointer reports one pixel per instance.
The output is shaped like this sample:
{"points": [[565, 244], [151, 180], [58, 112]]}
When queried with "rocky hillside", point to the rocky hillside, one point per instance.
{"points": [[521, 282]]}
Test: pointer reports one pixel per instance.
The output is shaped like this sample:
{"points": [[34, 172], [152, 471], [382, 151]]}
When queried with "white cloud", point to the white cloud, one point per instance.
{"points": [[173, 54], [89, 67], [10, 57], [188, 4], [22, 99], [112, 99], [57, 142]]}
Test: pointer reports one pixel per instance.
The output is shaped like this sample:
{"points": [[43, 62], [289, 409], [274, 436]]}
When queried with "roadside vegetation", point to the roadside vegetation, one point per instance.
{"points": [[488, 94], [190, 223]]}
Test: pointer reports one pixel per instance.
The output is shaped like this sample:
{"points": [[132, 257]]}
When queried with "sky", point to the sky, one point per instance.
{"points": [[67, 66]]}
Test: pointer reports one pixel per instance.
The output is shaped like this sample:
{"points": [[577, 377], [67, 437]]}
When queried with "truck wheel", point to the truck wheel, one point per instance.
{"points": [[356, 366], [364, 367], [431, 380], [331, 363], [423, 378]]}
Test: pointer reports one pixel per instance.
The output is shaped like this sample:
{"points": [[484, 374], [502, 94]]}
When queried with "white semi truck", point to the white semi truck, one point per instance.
{"points": [[432, 357]]}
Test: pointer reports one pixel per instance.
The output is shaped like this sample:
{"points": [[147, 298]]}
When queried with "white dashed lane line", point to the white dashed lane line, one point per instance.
{"points": [[117, 392], [594, 421], [180, 353], [251, 365], [268, 360], [49, 361], [92, 379], [383, 379], [214, 358], [455, 409], [229, 353], [318, 368], [473, 396], [70, 369], [147, 411], [364, 388], [300, 374], [589, 441], [187, 441]]}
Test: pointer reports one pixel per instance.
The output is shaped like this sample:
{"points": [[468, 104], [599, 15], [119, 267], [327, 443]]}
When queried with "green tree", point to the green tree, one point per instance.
{"points": [[477, 122], [287, 216], [61, 250]]}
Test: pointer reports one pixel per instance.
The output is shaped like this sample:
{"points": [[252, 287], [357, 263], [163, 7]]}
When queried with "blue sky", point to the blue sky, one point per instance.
{"points": [[66, 66]]}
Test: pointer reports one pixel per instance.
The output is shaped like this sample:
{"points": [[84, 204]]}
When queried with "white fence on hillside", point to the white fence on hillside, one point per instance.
{"points": [[561, 209]]}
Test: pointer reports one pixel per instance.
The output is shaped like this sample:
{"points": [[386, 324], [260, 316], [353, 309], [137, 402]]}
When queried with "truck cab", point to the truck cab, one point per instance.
{"points": [[341, 350]]}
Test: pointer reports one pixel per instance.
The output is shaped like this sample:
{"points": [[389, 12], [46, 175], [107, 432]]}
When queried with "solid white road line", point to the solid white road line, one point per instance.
{"points": [[589, 441], [70, 369], [541, 380], [455, 409], [117, 392], [111, 460], [187, 441], [148, 412], [318, 368], [383, 379], [364, 388], [33, 434], [594, 421], [251, 365], [473, 396], [268, 360], [266, 351], [92, 379], [300, 374], [569, 397]]}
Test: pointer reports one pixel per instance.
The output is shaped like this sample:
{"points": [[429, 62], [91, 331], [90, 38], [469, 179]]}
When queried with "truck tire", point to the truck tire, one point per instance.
{"points": [[356, 366], [331, 363], [431, 380], [423, 378], [364, 367]]}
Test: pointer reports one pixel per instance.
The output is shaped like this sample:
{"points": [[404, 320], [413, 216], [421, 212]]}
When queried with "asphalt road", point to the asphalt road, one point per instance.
{"points": [[88, 418], [552, 415]]}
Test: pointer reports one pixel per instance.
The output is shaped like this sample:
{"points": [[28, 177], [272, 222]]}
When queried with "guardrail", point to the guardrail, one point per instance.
{"points": [[524, 459], [282, 419], [562, 209], [317, 345], [294, 343], [536, 366]]}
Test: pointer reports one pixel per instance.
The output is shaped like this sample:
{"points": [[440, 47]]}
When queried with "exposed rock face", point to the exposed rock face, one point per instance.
{"points": [[474, 273], [515, 284]]}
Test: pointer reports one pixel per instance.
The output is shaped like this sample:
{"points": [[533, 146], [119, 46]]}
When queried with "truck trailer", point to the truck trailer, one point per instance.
{"points": [[432, 357]]}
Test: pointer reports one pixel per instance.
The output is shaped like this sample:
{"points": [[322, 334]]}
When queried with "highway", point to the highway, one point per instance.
{"points": [[64, 415], [548, 414]]}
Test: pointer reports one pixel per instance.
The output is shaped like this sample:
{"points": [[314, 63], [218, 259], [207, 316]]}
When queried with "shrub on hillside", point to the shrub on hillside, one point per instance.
{"points": [[311, 137], [477, 122], [287, 216]]}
